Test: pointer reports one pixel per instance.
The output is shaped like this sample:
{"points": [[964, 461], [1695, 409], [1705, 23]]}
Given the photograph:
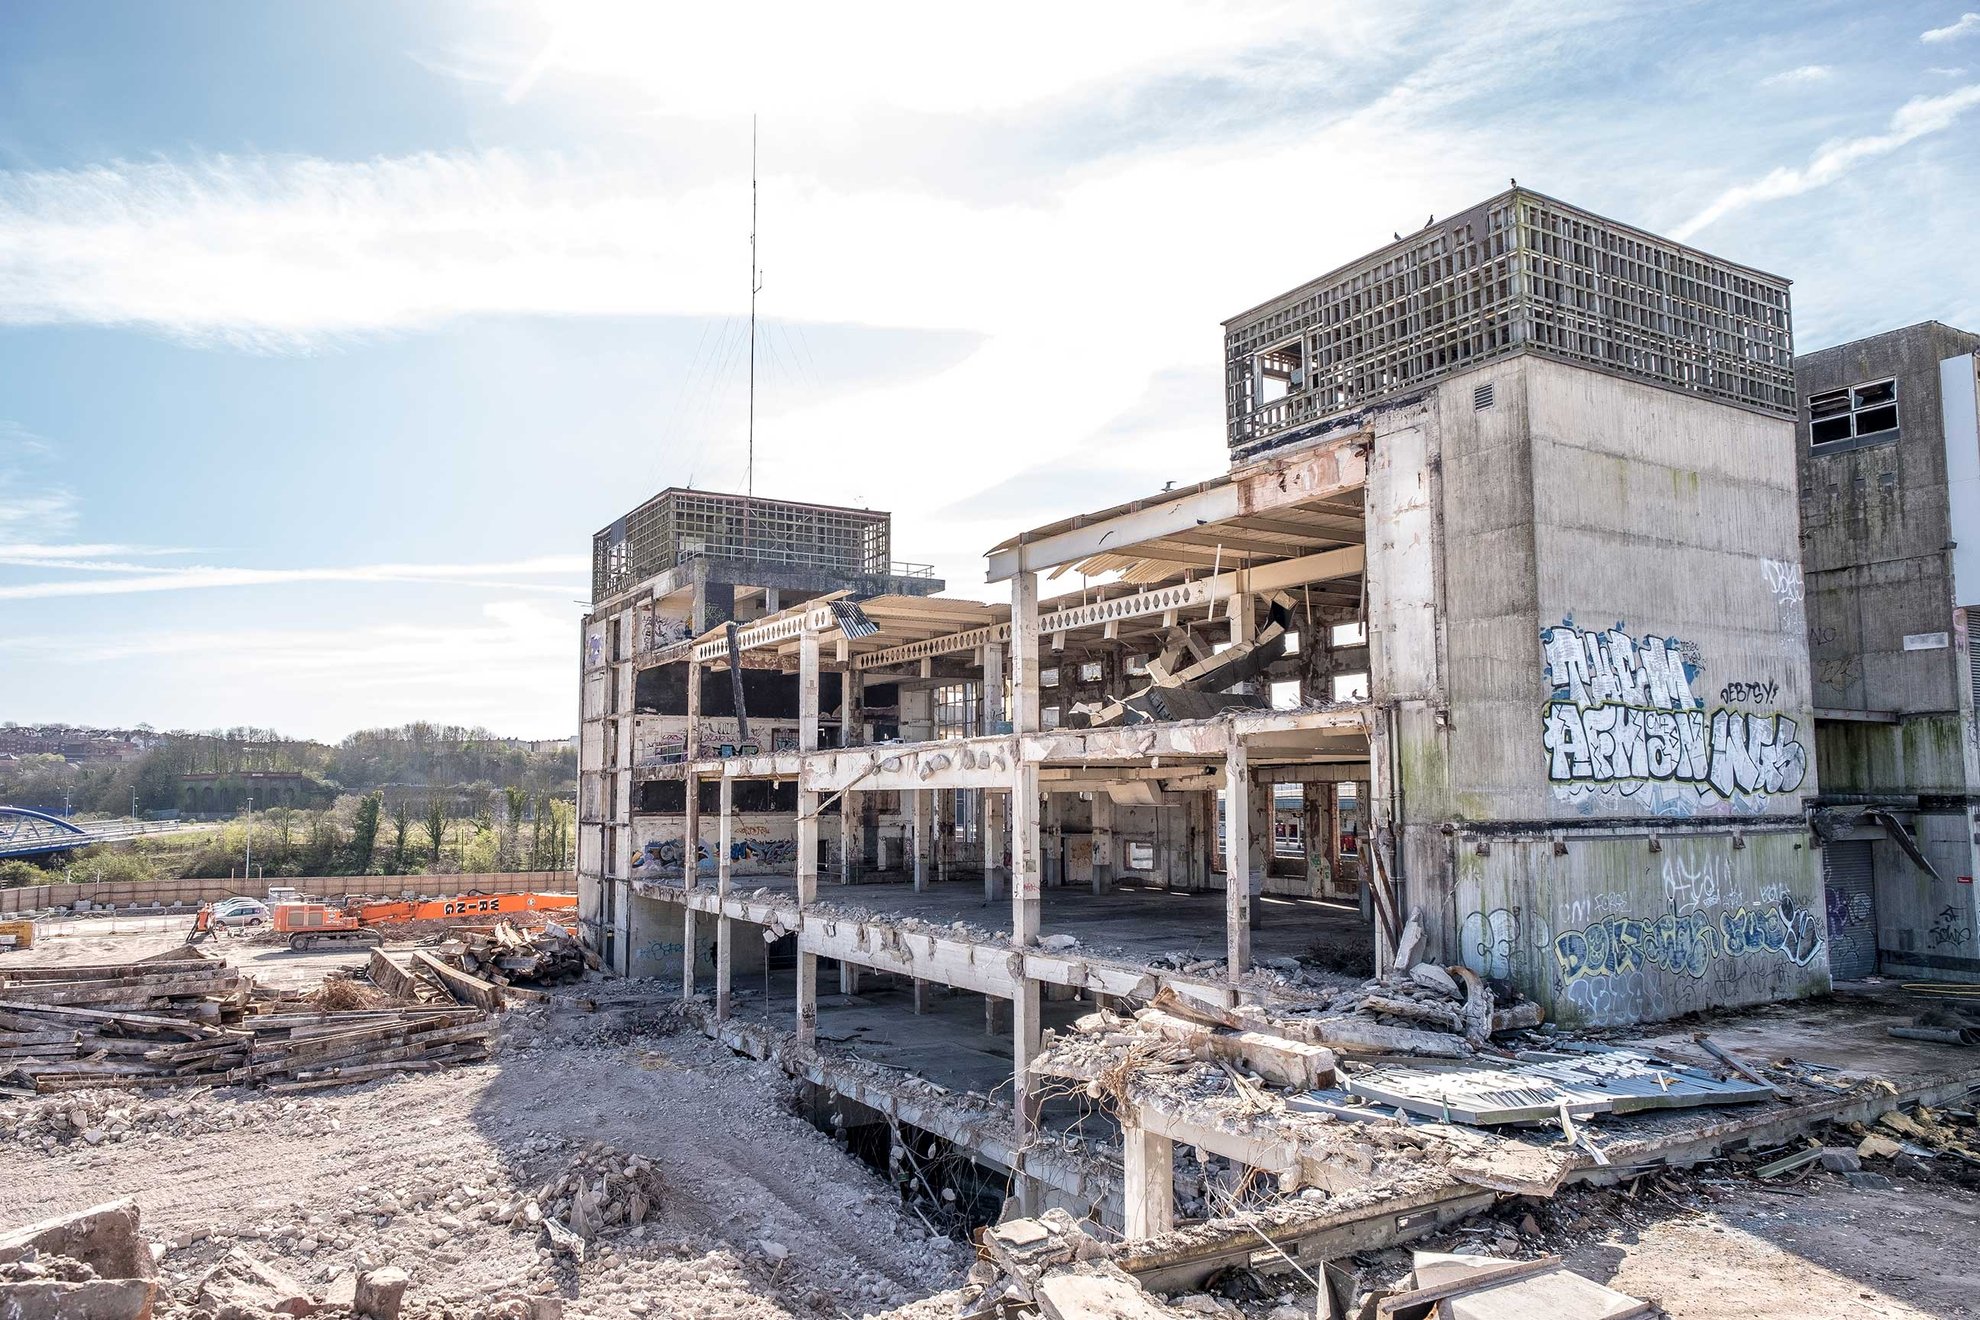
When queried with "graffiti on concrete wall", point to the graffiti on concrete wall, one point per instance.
{"points": [[1624, 718], [1948, 930], [1785, 585], [663, 742], [753, 849], [658, 631], [1687, 943], [1489, 941]]}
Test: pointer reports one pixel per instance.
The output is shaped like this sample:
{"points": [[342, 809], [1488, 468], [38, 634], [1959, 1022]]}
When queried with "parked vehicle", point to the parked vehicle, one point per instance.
{"points": [[241, 912]]}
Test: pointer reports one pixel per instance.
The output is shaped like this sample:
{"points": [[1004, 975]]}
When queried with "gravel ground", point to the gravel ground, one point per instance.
{"points": [[760, 1214]]}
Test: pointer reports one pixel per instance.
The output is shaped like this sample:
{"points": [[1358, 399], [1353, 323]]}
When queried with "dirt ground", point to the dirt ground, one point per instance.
{"points": [[762, 1215]]}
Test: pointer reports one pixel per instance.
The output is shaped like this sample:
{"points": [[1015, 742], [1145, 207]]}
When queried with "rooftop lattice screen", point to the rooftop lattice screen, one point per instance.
{"points": [[1519, 273], [677, 526]]}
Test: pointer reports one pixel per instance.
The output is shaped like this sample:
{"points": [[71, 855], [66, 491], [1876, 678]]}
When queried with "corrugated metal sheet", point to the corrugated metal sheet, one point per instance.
{"points": [[1589, 1080]]}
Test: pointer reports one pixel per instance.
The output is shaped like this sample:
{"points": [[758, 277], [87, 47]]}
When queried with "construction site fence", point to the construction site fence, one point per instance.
{"points": [[125, 894]]}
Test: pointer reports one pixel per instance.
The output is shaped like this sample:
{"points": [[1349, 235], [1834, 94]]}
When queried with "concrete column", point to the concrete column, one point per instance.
{"points": [[852, 702], [990, 828], [1051, 847], [993, 688], [1203, 840], [1318, 863], [1103, 840], [1026, 901], [996, 1015], [1237, 860], [690, 824], [691, 868], [1264, 816], [724, 926], [807, 831], [1148, 1192], [848, 978], [1025, 702], [945, 831], [846, 818], [924, 808], [922, 993], [1026, 913]]}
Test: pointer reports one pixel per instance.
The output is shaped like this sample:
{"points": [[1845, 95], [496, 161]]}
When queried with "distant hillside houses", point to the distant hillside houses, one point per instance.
{"points": [[78, 746]]}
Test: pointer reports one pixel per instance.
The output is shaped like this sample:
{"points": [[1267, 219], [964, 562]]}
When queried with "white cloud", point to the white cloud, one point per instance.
{"points": [[1833, 160], [507, 665], [1968, 22], [790, 57], [571, 568], [31, 504], [1807, 73]]}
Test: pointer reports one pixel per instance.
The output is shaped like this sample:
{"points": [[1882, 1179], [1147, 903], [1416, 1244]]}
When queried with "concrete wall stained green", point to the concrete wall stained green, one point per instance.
{"points": [[1611, 932], [1922, 754]]}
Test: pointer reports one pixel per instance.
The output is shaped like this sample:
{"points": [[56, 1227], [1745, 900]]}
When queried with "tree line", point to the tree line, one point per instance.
{"points": [[418, 755]]}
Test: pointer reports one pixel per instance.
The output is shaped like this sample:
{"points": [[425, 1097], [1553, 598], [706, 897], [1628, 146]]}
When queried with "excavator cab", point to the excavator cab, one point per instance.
{"points": [[202, 927]]}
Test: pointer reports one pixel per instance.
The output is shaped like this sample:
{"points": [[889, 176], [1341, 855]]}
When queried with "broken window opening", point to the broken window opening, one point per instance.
{"points": [[1351, 687], [1279, 371], [1857, 413], [1350, 634]]}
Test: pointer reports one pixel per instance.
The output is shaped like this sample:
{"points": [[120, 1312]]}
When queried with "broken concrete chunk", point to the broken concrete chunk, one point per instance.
{"points": [[1876, 1147], [379, 1293], [91, 1299], [104, 1237], [1841, 1159], [1435, 978]]}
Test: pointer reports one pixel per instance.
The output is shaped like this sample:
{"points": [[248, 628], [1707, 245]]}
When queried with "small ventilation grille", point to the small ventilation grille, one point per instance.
{"points": [[1481, 398]]}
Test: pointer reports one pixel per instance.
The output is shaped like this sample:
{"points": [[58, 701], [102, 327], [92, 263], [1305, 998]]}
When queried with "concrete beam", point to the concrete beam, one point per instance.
{"points": [[1328, 469]]}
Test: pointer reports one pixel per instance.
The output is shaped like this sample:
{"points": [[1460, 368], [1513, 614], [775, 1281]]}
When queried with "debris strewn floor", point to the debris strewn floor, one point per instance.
{"points": [[762, 1216]]}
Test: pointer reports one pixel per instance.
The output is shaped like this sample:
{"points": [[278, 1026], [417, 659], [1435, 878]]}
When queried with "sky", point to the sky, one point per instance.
{"points": [[330, 333]]}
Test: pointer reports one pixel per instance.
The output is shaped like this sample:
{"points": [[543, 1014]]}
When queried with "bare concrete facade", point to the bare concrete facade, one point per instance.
{"points": [[1593, 735], [1890, 509]]}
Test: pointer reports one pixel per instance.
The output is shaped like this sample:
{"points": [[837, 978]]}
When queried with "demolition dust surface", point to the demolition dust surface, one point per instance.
{"points": [[747, 1210]]}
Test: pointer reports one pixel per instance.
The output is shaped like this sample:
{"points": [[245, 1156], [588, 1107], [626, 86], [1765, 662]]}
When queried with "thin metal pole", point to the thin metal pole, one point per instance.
{"points": [[755, 286]]}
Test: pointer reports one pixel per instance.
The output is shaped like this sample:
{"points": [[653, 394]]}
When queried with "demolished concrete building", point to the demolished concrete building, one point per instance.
{"points": [[1890, 489], [1506, 563]]}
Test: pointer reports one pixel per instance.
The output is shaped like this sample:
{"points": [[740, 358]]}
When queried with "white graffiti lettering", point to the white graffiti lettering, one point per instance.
{"points": [[1623, 715]]}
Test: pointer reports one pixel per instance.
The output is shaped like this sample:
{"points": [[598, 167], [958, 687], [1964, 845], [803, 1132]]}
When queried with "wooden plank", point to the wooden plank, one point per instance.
{"points": [[177, 1024], [1471, 1281], [388, 976], [465, 987]]}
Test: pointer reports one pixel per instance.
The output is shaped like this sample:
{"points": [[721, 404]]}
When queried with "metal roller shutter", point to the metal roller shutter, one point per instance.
{"points": [[1850, 882]]}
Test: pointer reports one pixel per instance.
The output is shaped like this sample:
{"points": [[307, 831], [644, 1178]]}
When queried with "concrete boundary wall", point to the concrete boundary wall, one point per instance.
{"points": [[143, 893]]}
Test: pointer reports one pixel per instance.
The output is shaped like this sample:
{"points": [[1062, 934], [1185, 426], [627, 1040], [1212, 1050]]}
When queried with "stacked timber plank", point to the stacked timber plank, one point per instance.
{"points": [[193, 1020], [508, 955]]}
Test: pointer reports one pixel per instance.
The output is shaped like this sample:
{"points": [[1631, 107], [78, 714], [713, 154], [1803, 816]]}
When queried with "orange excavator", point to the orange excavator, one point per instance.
{"points": [[311, 924]]}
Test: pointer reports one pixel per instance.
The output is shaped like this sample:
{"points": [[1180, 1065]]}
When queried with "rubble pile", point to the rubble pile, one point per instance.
{"points": [[507, 954], [601, 1188], [186, 1020], [108, 1115]]}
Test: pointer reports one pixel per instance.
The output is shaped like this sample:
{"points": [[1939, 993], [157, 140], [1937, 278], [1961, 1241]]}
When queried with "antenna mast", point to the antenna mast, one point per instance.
{"points": [[755, 286]]}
